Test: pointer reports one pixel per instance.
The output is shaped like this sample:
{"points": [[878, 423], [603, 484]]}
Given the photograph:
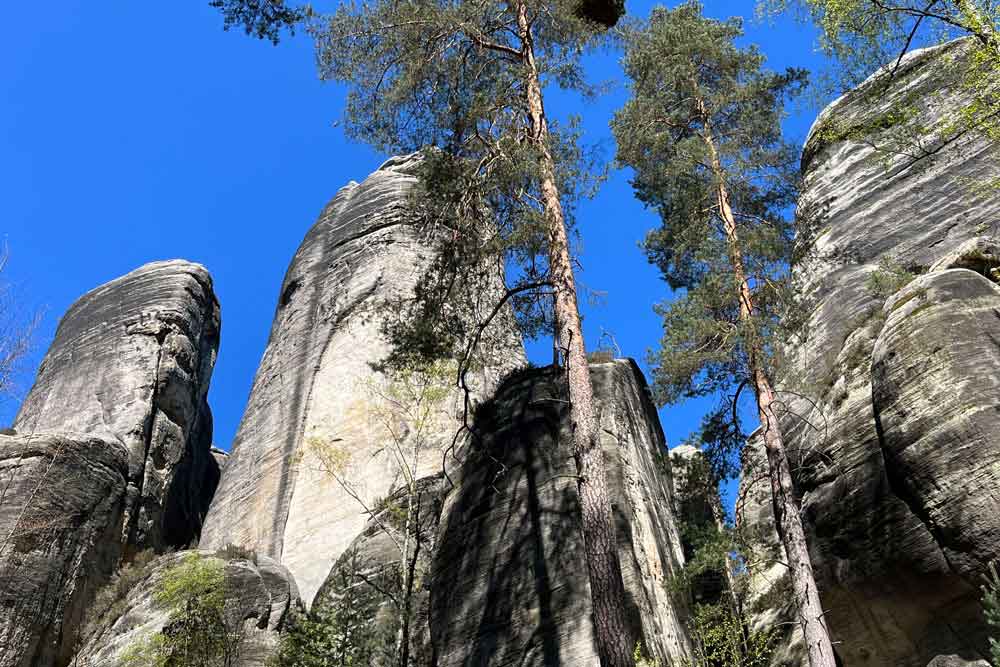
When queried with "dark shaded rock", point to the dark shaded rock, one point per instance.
{"points": [[891, 594], [260, 594], [315, 382], [508, 584], [131, 362], [61, 512]]}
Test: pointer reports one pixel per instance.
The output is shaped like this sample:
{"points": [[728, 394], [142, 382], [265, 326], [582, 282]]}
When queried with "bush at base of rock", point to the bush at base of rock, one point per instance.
{"points": [[198, 632]]}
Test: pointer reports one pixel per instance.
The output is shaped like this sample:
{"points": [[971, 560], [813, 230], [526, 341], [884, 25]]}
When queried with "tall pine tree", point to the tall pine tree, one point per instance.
{"points": [[468, 78], [702, 131]]}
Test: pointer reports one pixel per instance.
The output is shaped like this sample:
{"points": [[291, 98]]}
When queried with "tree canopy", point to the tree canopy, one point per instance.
{"points": [[688, 79]]}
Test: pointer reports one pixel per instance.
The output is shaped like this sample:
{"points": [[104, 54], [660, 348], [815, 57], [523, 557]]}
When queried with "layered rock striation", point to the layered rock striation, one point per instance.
{"points": [[891, 403], [508, 585], [131, 363], [61, 511], [110, 454], [260, 600], [317, 410]]}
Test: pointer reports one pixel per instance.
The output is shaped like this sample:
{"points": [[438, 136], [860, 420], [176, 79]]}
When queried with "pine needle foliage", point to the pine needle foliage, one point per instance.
{"points": [[263, 19], [683, 68], [448, 78]]}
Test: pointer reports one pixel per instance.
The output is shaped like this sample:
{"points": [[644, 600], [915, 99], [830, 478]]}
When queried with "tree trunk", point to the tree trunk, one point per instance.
{"points": [[615, 636], [787, 516]]}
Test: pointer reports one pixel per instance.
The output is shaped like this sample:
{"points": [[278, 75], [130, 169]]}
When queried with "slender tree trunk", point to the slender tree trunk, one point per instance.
{"points": [[787, 517], [615, 636]]}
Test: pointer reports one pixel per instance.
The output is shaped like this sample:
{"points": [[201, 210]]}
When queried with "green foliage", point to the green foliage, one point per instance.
{"points": [[344, 629], [198, 632], [704, 113], [712, 582], [872, 37], [263, 19], [453, 76], [723, 639], [991, 609], [888, 278], [639, 658]]}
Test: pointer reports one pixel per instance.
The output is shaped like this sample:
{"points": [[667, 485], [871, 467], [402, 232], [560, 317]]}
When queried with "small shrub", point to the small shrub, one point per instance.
{"points": [[197, 632], [991, 609], [888, 278], [640, 660]]}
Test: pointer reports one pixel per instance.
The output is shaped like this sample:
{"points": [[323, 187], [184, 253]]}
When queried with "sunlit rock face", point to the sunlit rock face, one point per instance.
{"points": [[509, 583], [315, 388], [892, 403], [131, 363]]}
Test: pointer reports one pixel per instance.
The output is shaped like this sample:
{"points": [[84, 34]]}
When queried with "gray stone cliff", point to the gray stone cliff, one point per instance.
{"points": [[131, 363], [111, 452], [260, 598], [61, 511], [892, 405], [508, 584], [315, 388]]}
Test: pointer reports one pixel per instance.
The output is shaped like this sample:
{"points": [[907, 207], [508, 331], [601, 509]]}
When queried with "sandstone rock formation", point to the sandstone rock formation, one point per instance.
{"points": [[260, 595], [315, 388], [61, 510], [131, 363], [891, 404], [369, 576], [111, 454], [508, 584]]}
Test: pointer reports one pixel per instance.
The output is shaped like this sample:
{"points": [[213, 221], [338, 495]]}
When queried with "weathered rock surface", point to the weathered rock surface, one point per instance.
{"points": [[890, 538], [369, 575], [315, 386], [61, 511], [131, 363], [260, 594], [509, 583], [936, 393]]}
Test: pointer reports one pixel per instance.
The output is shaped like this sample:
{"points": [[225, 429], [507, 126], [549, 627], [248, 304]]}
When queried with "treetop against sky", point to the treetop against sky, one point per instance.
{"points": [[132, 133]]}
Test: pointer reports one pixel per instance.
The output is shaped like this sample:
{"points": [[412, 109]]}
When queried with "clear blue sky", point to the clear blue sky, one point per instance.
{"points": [[137, 131]]}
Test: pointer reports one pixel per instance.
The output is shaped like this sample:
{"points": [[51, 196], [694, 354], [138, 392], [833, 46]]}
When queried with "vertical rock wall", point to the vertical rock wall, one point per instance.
{"points": [[315, 386], [61, 510], [509, 583], [890, 403], [131, 363], [111, 453]]}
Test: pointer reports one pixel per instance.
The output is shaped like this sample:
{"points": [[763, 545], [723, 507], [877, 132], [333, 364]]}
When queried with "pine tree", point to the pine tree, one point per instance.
{"points": [[468, 79], [702, 131]]}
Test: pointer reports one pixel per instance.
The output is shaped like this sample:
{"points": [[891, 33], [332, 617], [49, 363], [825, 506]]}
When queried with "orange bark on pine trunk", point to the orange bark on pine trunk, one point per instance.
{"points": [[615, 636]]}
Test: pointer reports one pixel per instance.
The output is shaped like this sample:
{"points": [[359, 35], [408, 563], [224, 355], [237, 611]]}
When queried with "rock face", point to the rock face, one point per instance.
{"points": [[260, 595], [896, 464], [60, 519], [131, 363], [367, 581], [508, 584], [315, 392]]}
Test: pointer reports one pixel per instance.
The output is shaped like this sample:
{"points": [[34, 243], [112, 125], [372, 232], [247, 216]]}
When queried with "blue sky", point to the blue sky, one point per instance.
{"points": [[132, 131]]}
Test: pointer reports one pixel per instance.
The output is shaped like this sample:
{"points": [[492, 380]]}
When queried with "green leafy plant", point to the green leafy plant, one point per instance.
{"points": [[991, 609], [198, 631], [888, 278], [724, 639]]}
